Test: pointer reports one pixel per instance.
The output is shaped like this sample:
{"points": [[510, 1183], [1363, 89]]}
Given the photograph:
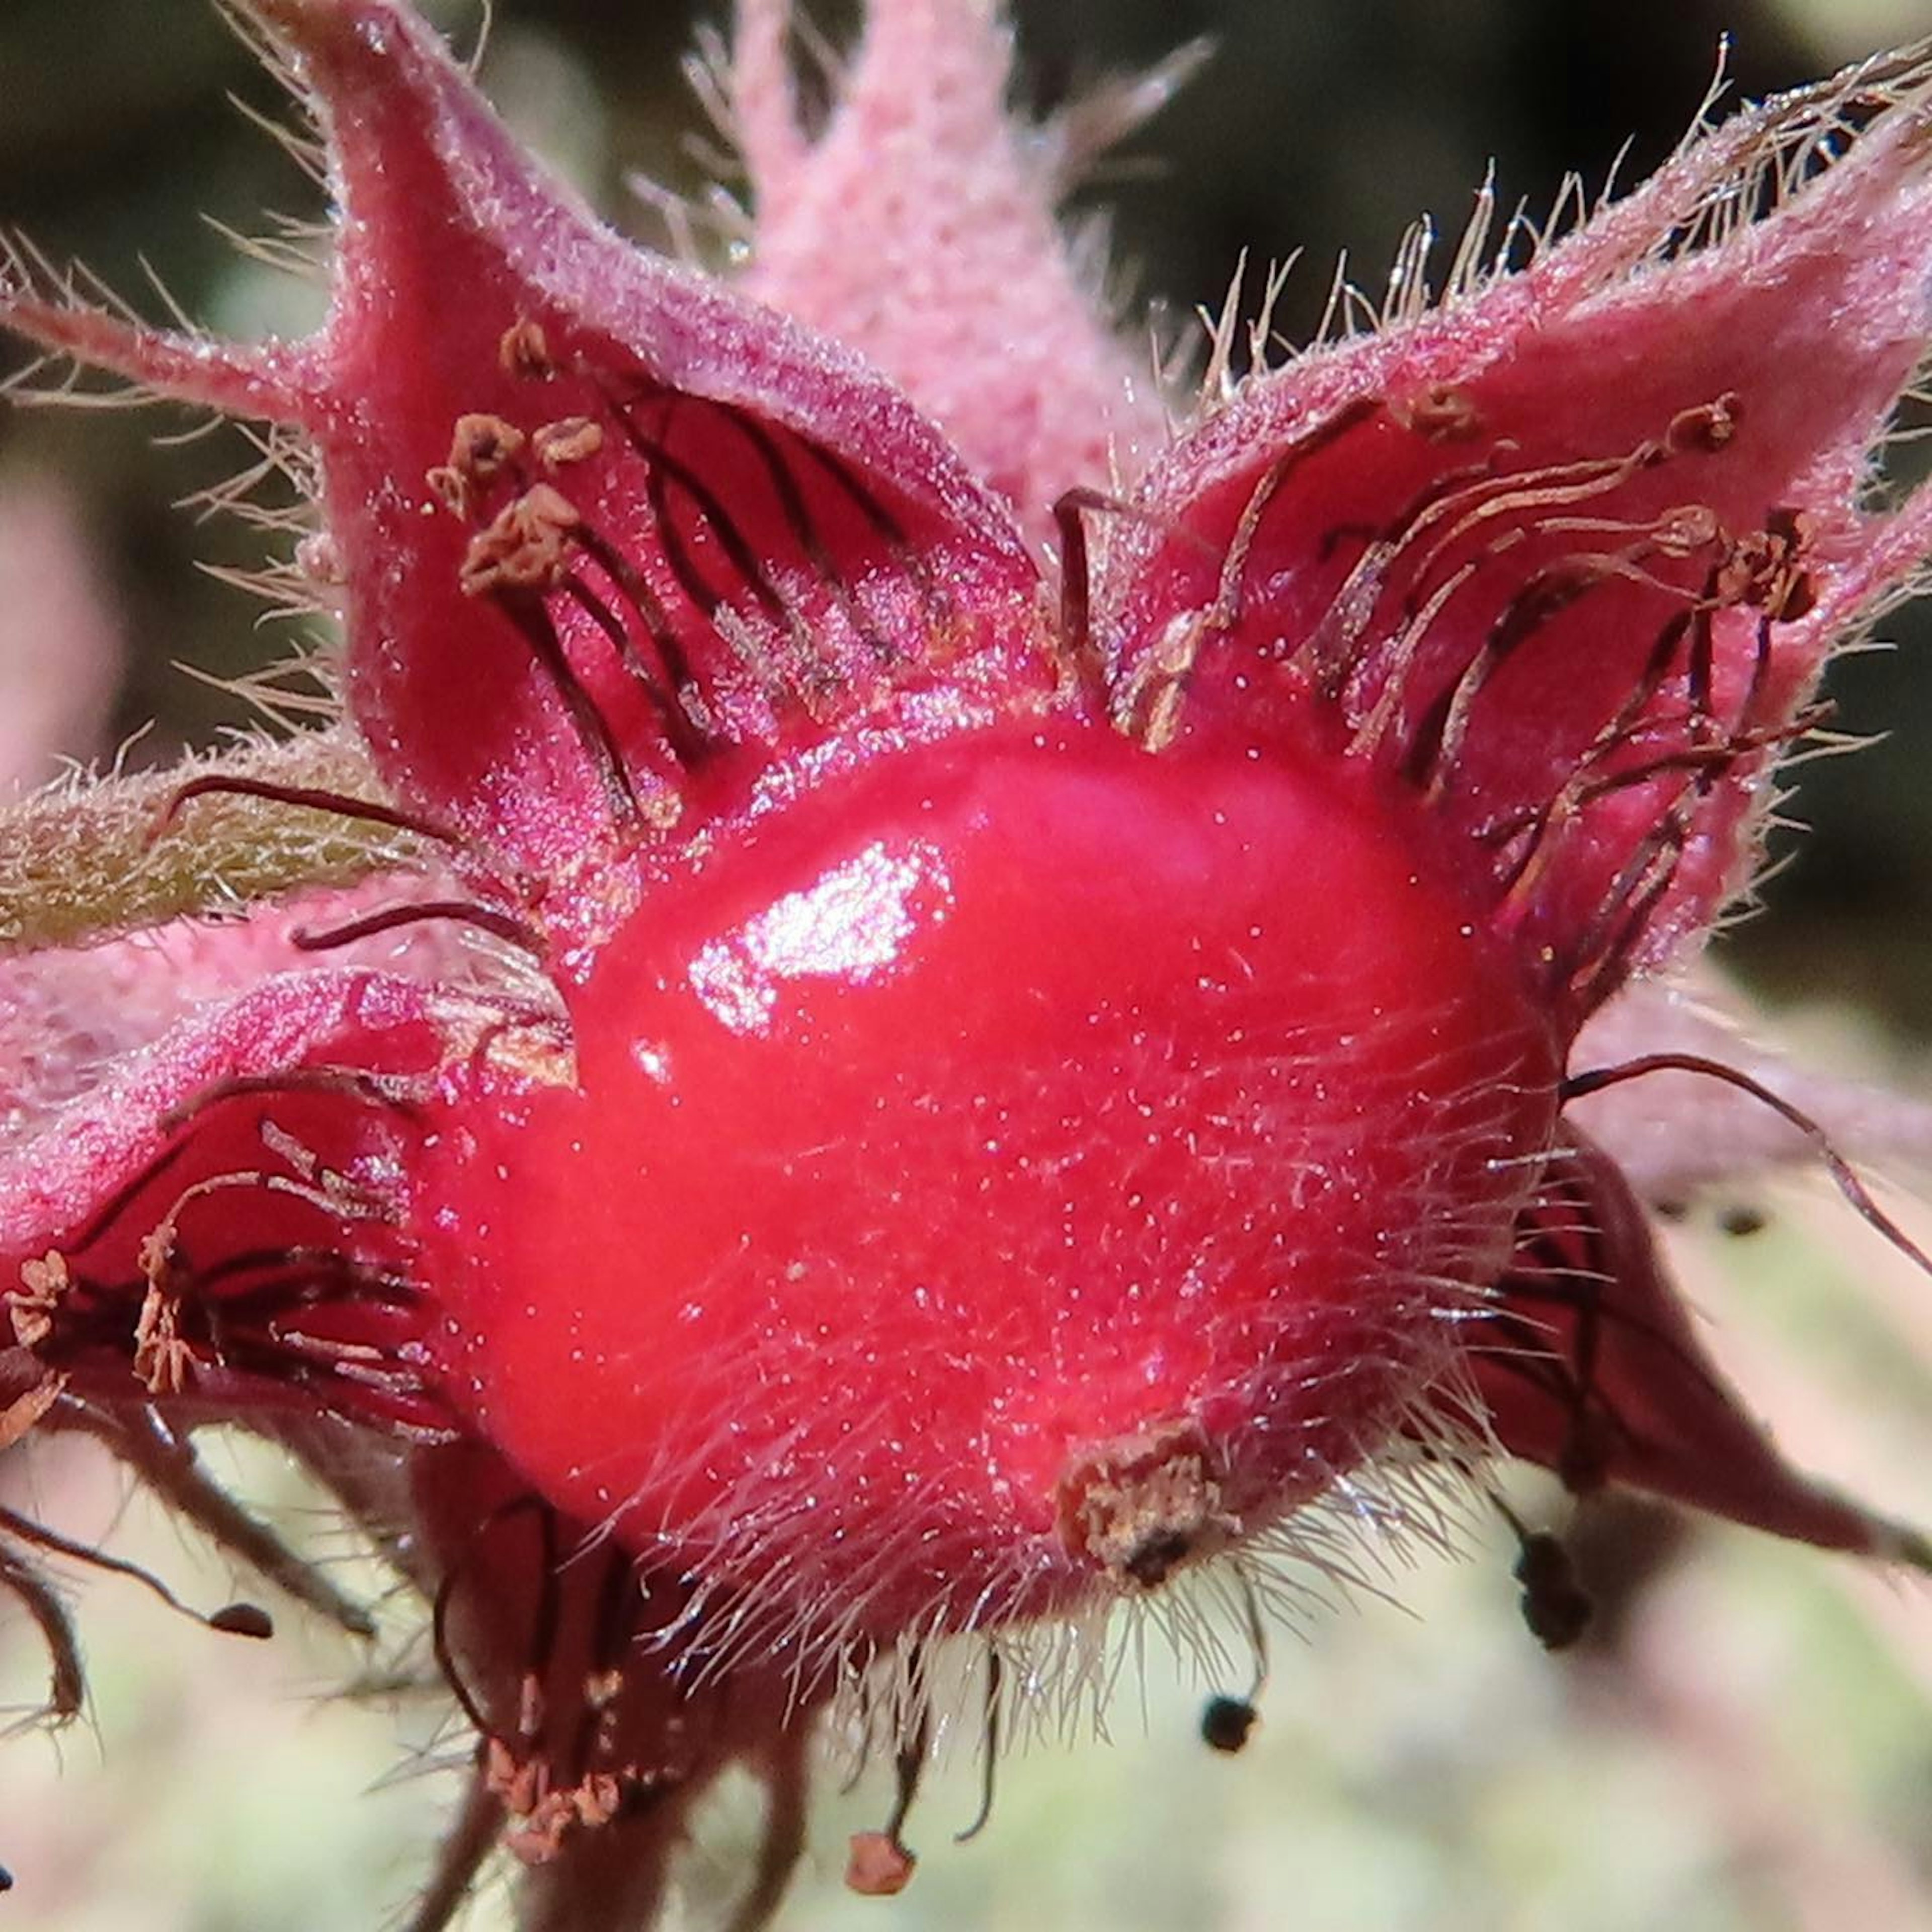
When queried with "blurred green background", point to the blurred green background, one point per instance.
{"points": [[1750, 1743]]}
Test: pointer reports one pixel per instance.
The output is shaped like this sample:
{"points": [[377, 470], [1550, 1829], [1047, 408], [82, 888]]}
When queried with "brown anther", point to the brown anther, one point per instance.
{"points": [[1765, 569], [449, 490], [1555, 1609], [482, 448], [1442, 413], [1140, 1506], [525, 547], [33, 1305], [248, 1620], [1686, 530], [525, 352], [1707, 428], [163, 1358], [878, 1866], [570, 440], [1227, 1723]]}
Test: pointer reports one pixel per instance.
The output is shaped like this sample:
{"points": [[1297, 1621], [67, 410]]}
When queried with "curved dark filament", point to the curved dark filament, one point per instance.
{"points": [[738, 549], [1070, 509], [909, 1763], [645, 600], [990, 1744], [233, 1619], [525, 610], [1251, 1606], [1584, 1298], [503, 925], [1226, 1722], [67, 1676], [1843, 1176], [166, 1461], [446, 1589], [375, 1088], [1464, 498], [1556, 1610], [123, 1197], [1226, 610], [327, 1079], [1580, 790], [309, 798], [1439, 738], [1599, 962], [797, 511], [689, 745]]}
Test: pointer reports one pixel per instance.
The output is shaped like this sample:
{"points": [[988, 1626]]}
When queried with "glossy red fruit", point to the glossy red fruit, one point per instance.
{"points": [[993, 1109]]}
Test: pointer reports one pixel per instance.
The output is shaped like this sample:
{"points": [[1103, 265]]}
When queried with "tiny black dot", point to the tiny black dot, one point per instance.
{"points": [[1225, 1722]]}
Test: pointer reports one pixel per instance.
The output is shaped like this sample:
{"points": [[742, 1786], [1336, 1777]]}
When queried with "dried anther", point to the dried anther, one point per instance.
{"points": [[1141, 1506], [482, 448], [1707, 428], [526, 546], [878, 1866], [572, 439], [18, 1418], [164, 1360], [524, 351], [1766, 571], [1685, 529], [1443, 413], [32, 1307], [544, 1811]]}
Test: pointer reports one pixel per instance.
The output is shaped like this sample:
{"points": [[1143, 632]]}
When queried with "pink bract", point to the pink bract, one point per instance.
{"points": [[1019, 1026]]}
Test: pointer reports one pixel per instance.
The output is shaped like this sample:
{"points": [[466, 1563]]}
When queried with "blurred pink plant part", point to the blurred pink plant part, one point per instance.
{"points": [[1680, 1133], [961, 290], [60, 638], [925, 1005]]}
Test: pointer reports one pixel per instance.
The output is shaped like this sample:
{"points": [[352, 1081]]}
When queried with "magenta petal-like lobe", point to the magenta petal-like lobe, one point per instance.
{"points": [[605, 522], [1562, 558], [956, 281], [1592, 1368], [214, 1216]]}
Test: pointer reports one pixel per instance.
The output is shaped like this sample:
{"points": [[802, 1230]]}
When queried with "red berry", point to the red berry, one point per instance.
{"points": [[1018, 1159]]}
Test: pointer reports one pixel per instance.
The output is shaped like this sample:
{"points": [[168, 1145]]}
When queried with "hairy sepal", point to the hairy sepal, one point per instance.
{"points": [[1589, 1364], [92, 858], [213, 1219], [1562, 558]]}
